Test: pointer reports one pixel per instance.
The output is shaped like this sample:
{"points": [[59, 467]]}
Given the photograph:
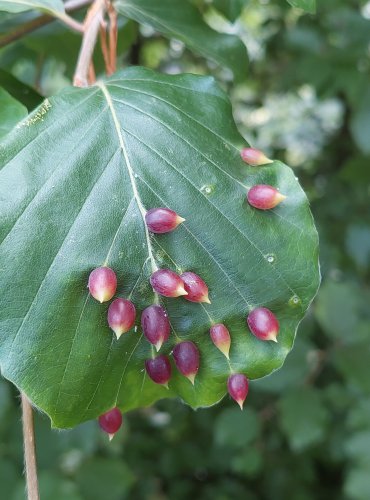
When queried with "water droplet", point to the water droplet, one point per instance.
{"points": [[294, 301], [270, 258], [207, 189], [136, 176]]}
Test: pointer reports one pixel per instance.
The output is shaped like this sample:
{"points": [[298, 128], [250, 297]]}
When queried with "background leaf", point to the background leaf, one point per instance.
{"points": [[11, 112], [180, 20], [361, 121], [20, 91], [53, 7], [303, 417], [169, 141], [307, 5], [231, 9]]}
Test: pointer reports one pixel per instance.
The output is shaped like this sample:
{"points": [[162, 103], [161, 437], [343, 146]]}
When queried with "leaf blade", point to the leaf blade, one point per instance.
{"points": [[54, 328]]}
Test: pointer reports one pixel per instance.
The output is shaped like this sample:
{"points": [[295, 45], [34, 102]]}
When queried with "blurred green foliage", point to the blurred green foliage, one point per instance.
{"points": [[305, 432]]}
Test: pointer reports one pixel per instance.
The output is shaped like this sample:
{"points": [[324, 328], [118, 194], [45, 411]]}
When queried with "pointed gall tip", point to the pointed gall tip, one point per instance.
{"points": [[240, 403], [118, 333], [103, 297], [273, 337], [181, 291], [280, 197], [225, 350], [254, 157], [110, 436], [158, 345], [166, 386], [191, 377], [206, 299], [180, 220]]}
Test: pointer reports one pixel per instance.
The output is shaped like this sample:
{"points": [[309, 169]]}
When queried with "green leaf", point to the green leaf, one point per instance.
{"points": [[357, 484], [231, 9], [358, 244], [337, 309], [357, 447], [53, 7], [304, 418], [20, 91], [181, 20], [8, 477], [307, 5], [293, 373], [99, 478], [11, 112], [236, 429], [360, 122], [356, 374], [85, 164], [52, 486]]}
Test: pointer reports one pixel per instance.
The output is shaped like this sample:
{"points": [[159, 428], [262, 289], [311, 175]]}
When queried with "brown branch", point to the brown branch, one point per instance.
{"points": [[113, 34], [29, 449], [30, 26], [69, 21], [91, 77], [92, 23], [104, 47]]}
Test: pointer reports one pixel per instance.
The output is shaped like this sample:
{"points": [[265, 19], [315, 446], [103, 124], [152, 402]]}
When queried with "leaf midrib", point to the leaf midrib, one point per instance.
{"points": [[130, 172]]}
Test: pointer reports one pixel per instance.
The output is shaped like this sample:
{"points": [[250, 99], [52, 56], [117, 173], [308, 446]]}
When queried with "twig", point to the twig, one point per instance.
{"points": [[104, 47], [72, 23], [113, 34], [29, 449], [93, 20], [40, 21], [39, 69], [91, 77]]}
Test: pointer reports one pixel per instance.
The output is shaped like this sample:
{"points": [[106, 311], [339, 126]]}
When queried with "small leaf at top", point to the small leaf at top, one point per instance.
{"points": [[231, 9], [180, 20], [307, 5], [53, 7]]}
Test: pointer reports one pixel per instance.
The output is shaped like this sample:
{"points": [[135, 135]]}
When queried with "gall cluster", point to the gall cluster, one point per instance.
{"points": [[155, 323]]}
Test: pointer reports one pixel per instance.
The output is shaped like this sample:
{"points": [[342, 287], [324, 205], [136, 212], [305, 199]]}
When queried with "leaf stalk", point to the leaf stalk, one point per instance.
{"points": [[29, 449], [93, 21]]}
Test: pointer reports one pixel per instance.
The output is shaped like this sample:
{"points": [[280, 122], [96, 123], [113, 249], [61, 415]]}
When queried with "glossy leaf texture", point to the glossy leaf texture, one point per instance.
{"points": [[181, 20], [75, 177], [53, 7], [11, 112], [231, 9], [307, 5]]}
